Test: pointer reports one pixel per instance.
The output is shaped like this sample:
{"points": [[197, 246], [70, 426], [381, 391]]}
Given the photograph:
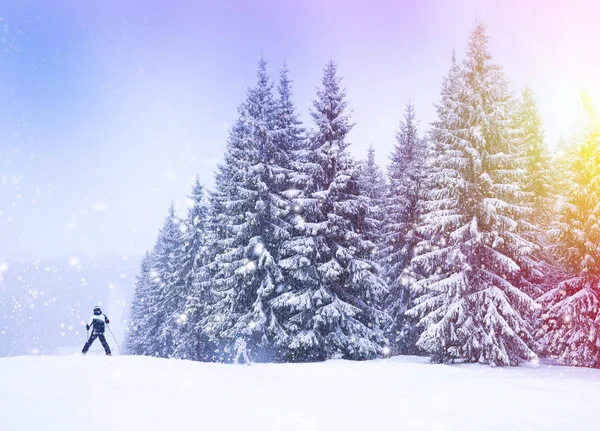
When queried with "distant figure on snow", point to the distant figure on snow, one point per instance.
{"points": [[97, 323], [240, 349]]}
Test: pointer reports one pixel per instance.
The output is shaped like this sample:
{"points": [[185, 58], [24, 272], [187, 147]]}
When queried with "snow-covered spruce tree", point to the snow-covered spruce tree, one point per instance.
{"points": [[190, 341], [372, 182], [149, 313], [290, 139], [406, 174], [538, 179], [329, 308], [163, 299], [251, 225], [469, 297], [289, 131], [135, 339], [537, 183], [570, 315], [373, 186]]}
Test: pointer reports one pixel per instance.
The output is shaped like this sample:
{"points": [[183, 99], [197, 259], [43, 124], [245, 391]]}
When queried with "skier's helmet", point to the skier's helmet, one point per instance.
{"points": [[97, 310]]}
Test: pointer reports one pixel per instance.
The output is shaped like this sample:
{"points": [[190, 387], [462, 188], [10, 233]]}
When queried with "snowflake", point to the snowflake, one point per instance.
{"points": [[99, 206], [73, 261], [386, 351], [154, 275], [259, 249]]}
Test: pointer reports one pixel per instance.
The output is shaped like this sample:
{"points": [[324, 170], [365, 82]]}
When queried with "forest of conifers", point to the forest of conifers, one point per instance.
{"points": [[476, 244]]}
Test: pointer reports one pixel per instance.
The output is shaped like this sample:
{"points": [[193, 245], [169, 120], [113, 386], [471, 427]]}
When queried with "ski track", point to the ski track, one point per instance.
{"points": [[76, 393]]}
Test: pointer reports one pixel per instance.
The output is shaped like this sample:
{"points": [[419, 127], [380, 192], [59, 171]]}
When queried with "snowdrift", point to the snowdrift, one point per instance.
{"points": [[75, 393]]}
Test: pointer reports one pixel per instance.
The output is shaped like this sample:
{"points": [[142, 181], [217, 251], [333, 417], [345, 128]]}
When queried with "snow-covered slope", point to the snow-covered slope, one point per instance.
{"points": [[75, 393]]}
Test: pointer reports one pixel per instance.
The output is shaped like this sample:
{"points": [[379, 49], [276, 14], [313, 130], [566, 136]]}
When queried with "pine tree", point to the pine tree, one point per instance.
{"points": [[289, 132], [250, 225], [405, 176], [372, 186], [136, 335], [570, 312], [164, 299], [328, 308], [191, 342], [154, 303], [538, 179], [537, 199], [469, 297], [290, 139], [372, 182]]}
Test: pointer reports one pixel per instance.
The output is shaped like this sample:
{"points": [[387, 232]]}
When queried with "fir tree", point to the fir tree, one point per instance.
{"points": [[570, 316], [372, 182], [289, 132], [329, 306], [405, 175], [538, 179], [164, 296], [537, 184], [136, 335], [251, 224], [470, 298], [290, 137], [191, 342], [372, 186]]}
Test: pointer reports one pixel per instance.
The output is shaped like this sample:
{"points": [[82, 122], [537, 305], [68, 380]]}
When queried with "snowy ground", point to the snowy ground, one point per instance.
{"points": [[75, 393]]}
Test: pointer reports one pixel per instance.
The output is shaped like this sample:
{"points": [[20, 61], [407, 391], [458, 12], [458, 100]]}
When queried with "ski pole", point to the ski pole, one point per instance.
{"points": [[113, 335]]}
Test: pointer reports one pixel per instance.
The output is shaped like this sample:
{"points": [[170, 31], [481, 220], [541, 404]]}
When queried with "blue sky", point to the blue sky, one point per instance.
{"points": [[109, 109]]}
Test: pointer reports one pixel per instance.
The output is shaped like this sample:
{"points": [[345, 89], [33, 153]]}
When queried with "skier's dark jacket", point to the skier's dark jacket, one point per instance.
{"points": [[97, 322]]}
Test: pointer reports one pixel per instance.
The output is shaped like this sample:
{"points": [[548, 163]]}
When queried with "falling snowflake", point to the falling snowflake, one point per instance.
{"points": [[99, 206], [300, 223], [259, 249]]}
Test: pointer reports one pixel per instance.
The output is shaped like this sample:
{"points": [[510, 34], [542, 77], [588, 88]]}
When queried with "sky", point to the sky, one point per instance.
{"points": [[108, 110]]}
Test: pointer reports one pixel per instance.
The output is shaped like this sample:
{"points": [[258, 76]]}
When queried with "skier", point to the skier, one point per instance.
{"points": [[97, 323], [240, 349]]}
